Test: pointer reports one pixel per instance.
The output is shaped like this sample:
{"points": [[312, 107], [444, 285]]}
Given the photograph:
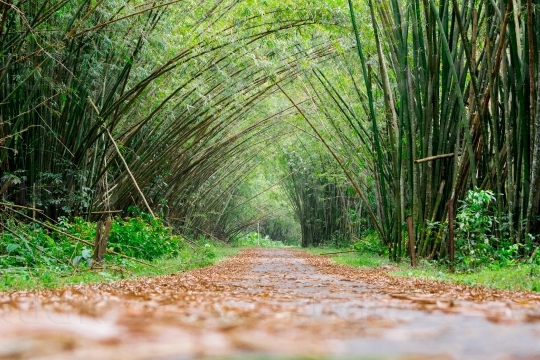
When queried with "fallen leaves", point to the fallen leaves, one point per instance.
{"points": [[262, 301]]}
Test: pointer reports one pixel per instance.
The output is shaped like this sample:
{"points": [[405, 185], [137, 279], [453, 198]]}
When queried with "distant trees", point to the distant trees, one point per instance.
{"points": [[326, 206]]}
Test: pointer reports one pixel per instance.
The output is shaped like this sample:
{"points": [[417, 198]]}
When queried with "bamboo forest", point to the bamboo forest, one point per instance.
{"points": [[232, 163]]}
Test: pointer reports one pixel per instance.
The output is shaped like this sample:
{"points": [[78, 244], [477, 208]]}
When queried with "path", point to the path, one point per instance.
{"points": [[270, 302]]}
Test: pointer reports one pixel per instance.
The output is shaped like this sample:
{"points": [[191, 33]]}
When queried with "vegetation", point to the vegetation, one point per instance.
{"points": [[310, 122], [100, 111], [442, 116], [505, 273], [47, 277], [518, 276], [37, 257], [255, 239]]}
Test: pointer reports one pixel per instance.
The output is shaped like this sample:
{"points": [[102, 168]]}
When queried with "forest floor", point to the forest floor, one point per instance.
{"points": [[516, 275], [270, 303]]}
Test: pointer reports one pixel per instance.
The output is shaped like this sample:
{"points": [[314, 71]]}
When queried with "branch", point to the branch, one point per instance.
{"points": [[130, 174], [431, 158]]}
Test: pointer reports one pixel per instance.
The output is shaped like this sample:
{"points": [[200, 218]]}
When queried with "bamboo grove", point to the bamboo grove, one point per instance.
{"points": [[106, 105], [449, 103], [368, 114]]}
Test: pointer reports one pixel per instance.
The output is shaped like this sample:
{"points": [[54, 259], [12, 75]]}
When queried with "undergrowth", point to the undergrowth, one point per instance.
{"points": [[522, 275], [33, 257], [504, 272], [255, 240]]}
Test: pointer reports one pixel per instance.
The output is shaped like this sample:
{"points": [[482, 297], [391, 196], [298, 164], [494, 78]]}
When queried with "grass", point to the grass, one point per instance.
{"points": [[519, 276], [254, 240], [363, 259], [48, 274], [35, 257], [43, 278]]}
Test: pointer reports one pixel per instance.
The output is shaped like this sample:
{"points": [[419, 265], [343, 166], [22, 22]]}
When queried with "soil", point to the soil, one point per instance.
{"points": [[270, 303]]}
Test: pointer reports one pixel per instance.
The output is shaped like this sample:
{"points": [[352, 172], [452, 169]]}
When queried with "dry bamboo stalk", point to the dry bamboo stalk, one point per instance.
{"points": [[105, 212], [431, 158], [129, 172], [6, 186], [21, 207], [340, 252]]}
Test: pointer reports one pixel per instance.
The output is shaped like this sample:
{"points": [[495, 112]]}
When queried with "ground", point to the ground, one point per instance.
{"points": [[270, 303]]}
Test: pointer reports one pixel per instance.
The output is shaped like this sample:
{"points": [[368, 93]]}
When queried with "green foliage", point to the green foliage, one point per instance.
{"points": [[535, 258], [143, 237], [519, 276], [86, 256], [255, 240], [329, 211], [32, 246], [369, 243], [183, 89], [476, 242], [31, 256], [51, 190], [31, 278], [474, 239], [209, 250], [357, 259], [189, 93]]}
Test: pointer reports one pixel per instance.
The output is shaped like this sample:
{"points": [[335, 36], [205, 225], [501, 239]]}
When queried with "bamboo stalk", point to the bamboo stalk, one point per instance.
{"points": [[432, 158], [353, 183], [340, 252], [410, 231], [33, 209], [129, 172]]}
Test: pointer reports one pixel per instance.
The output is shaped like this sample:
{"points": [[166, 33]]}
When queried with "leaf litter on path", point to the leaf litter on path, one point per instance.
{"points": [[270, 302]]}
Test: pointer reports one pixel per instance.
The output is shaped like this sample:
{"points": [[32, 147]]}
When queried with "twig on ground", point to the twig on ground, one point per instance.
{"points": [[340, 252]]}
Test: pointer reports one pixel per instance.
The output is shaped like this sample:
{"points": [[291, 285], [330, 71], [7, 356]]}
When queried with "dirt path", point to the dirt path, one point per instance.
{"points": [[270, 302]]}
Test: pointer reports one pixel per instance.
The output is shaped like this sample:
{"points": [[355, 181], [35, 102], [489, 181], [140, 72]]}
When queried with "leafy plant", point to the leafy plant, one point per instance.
{"points": [[209, 251], [144, 237], [253, 239], [369, 243], [33, 246], [86, 256], [475, 242]]}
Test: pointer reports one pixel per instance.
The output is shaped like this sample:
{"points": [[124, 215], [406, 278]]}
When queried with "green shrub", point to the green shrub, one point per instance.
{"points": [[143, 237], [369, 243], [476, 243], [33, 246], [474, 220], [25, 246], [253, 239]]}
